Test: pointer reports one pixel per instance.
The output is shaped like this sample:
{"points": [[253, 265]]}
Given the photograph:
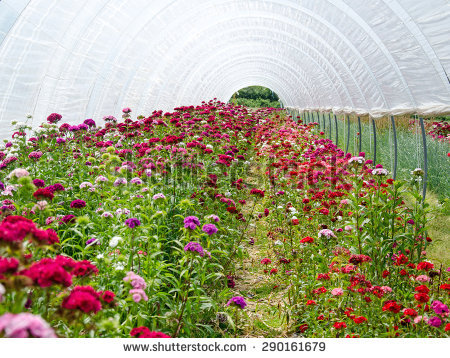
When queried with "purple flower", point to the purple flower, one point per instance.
{"points": [[195, 247], [93, 240], [210, 229], [237, 301], [435, 321], [78, 204], [439, 307], [132, 222], [2, 186], [191, 222]]}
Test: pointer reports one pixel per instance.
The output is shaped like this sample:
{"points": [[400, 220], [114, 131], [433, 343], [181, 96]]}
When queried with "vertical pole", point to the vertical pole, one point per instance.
{"points": [[348, 134], [337, 130], [395, 147], [425, 159], [360, 135], [374, 142], [329, 122]]}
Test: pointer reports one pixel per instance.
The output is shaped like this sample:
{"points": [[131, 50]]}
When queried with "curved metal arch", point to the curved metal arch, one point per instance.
{"points": [[281, 90], [343, 83], [339, 34], [329, 65], [415, 31], [272, 60], [284, 90], [203, 65]]}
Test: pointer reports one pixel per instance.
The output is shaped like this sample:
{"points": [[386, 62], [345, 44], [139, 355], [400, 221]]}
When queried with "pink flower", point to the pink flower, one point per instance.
{"points": [[386, 289], [423, 278], [25, 325], [337, 291], [138, 295]]}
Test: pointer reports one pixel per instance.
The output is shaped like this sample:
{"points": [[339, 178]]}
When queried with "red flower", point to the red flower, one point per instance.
{"points": [[311, 303], [303, 327], [323, 276], [295, 221], [43, 193], [83, 298], [48, 272], [107, 296], [445, 286], [391, 306], [15, 228], [307, 239], [447, 327], [422, 297], [273, 271], [422, 289], [266, 261], [426, 266], [402, 259], [8, 265], [339, 325], [410, 312], [360, 319], [144, 332], [257, 192], [386, 273], [84, 268]]}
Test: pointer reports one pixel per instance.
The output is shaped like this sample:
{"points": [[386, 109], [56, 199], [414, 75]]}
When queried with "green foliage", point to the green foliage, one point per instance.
{"points": [[255, 97]]}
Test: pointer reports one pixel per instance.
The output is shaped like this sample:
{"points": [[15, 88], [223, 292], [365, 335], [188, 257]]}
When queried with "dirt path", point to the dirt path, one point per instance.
{"points": [[262, 292]]}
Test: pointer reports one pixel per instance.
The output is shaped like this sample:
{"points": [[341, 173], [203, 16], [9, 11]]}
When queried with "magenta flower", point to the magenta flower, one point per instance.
{"points": [[191, 222], [78, 204], [439, 307], [210, 229], [195, 247], [435, 321], [237, 301], [132, 223], [54, 118]]}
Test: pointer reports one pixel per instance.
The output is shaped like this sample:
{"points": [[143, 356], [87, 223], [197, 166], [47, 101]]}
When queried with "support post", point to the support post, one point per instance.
{"points": [[374, 142], [394, 131], [425, 159], [348, 134], [337, 130], [360, 135], [329, 123]]}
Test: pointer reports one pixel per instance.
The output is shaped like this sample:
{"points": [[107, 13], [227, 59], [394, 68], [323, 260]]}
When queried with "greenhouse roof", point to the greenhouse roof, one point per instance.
{"points": [[90, 58]]}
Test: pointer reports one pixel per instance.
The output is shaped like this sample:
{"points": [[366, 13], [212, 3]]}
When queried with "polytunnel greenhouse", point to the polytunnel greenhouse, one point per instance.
{"points": [[225, 169]]}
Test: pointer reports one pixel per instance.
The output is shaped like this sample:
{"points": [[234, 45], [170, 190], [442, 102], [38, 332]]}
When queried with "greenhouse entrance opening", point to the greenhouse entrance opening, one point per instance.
{"points": [[256, 97]]}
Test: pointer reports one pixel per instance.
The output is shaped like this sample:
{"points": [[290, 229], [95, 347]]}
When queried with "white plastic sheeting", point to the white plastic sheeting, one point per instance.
{"points": [[89, 58]]}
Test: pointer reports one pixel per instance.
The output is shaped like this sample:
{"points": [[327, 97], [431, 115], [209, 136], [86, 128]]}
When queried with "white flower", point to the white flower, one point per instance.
{"points": [[114, 241], [119, 266], [380, 171], [100, 256]]}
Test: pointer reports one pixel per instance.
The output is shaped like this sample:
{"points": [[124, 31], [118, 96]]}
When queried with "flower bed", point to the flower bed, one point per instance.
{"points": [[136, 228]]}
